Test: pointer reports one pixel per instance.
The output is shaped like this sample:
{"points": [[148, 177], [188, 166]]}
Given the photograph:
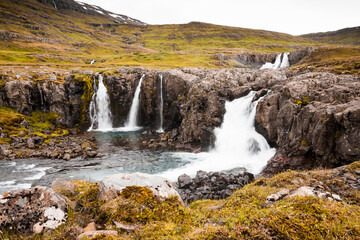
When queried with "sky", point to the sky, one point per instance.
{"points": [[288, 16]]}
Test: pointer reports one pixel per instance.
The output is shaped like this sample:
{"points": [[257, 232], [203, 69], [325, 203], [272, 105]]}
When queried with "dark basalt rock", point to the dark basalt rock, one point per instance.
{"points": [[212, 185]]}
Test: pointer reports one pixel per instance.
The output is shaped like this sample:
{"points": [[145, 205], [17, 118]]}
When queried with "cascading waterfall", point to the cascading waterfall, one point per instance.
{"points": [[160, 130], [237, 143], [54, 4], [99, 109], [131, 123], [285, 61], [279, 63]]}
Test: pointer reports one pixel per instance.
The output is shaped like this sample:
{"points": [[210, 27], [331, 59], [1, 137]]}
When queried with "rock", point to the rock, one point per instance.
{"points": [[90, 227], [38, 228], [213, 185], [63, 186], [91, 154], [127, 227], [184, 181], [24, 123], [67, 156], [304, 191], [161, 187], [277, 196], [313, 119], [40, 206], [30, 142], [88, 235]]}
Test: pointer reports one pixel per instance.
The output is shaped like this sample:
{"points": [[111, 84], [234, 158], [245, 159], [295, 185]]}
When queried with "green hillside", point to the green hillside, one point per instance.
{"points": [[34, 31], [346, 36]]}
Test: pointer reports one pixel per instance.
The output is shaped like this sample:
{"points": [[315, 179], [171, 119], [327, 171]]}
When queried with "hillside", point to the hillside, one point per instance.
{"points": [[346, 36], [67, 33]]}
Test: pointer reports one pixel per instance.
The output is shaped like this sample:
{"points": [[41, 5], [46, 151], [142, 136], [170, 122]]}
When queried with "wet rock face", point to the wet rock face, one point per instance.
{"points": [[63, 99], [212, 185], [314, 119], [33, 209]]}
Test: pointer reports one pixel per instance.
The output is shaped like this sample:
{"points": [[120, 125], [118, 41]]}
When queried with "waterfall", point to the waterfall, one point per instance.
{"points": [[285, 61], [92, 62], [237, 143], [54, 4], [160, 130], [278, 62], [99, 109], [131, 123]]}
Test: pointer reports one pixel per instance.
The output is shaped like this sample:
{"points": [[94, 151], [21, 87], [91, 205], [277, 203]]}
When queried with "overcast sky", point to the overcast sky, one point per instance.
{"points": [[288, 16]]}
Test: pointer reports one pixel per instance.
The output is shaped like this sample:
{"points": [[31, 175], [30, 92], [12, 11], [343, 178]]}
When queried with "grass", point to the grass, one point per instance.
{"points": [[341, 60], [67, 37], [244, 215]]}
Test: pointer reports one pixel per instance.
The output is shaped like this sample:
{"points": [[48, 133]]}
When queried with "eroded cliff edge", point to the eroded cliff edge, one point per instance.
{"points": [[312, 118]]}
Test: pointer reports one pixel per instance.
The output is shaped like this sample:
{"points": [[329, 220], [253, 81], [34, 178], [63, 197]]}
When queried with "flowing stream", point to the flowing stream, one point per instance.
{"points": [[237, 145]]}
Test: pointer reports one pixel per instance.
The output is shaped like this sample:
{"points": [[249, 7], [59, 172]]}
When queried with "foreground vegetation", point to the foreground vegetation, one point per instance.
{"points": [[244, 215]]}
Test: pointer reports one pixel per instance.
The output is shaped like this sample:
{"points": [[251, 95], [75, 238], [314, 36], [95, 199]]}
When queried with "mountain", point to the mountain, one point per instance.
{"points": [[346, 36], [70, 33]]}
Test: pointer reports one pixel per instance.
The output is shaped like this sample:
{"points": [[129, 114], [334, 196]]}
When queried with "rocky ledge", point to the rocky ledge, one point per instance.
{"points": [[311, 118]]}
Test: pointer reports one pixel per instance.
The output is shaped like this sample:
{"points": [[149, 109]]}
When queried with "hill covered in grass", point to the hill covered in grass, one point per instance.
{"points": [[346, 36], [64, 32]]}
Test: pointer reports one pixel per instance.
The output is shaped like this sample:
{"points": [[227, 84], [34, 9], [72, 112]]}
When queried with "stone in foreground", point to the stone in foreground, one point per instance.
{"points": [[111, 185], [32, 210]]}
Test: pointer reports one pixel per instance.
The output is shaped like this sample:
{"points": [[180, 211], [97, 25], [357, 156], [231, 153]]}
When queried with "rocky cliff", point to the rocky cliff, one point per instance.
{"points": [[312, 118]]}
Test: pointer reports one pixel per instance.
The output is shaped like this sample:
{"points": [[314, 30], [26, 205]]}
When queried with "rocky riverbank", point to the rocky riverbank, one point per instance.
{"points": [[304, 203]]}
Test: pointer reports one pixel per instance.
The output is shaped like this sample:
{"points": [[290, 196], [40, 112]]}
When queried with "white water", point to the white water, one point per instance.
{"points": [[285, 61], [237, 143], [92, 62], [279, 63], [160, 130], [131, 123], [54, 4], [100, 108]]}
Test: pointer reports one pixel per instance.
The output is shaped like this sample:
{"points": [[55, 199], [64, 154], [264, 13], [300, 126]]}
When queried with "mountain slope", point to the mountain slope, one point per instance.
{"points": [[67, 32], [346, 36]]}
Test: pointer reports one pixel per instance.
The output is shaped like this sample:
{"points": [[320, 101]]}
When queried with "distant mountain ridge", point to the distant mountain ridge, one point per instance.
{"points": [[346, 36]]}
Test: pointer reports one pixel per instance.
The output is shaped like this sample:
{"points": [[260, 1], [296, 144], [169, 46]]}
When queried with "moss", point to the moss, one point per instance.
{"points": [[355, 166], [138, 204], [86, 97], [41, 120], [87, 202], [304, 143], [303, 102], [244, 215]]}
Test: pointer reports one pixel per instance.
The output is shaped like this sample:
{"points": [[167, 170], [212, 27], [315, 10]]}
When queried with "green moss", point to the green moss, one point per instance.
{"points": [[87, 202], [41, 120], [304, 143], [355, 166], [86, 97], [138, 204]]}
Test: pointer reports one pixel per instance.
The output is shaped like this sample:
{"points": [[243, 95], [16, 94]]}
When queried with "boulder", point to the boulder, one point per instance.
{"points": [[111, 185], [31, 210], [63, 186], [212, 185]]}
